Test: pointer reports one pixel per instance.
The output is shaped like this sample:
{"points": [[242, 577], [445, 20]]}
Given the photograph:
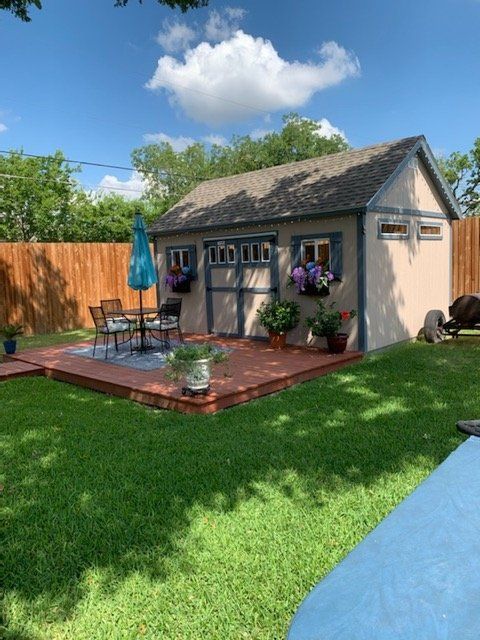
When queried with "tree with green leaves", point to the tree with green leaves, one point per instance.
{"points": [[108, 218], [462, 172], [174, 173], [21, 8], [36, 197]]}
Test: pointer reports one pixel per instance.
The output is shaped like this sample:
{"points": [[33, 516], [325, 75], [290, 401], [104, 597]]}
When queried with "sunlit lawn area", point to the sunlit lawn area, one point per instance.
{"points": [[124, 522]]}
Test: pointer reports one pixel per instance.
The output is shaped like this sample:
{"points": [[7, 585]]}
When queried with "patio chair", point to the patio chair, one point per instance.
{"points": [[108, 326], [167, 319], [110, 307]]}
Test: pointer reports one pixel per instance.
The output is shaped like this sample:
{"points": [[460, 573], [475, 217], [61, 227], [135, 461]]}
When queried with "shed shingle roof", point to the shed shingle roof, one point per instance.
{"points": [[337, 182]]}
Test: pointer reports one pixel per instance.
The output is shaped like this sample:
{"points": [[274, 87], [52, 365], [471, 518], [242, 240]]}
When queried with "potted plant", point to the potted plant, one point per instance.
{"points": [[10, 332], [193, 363], [311, 278], [178, 279], [326, 322], [278, 318]]}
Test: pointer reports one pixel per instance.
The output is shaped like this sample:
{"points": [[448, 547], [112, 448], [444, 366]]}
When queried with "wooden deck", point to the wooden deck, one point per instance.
{"points": [[255, 370], [16, 369]]}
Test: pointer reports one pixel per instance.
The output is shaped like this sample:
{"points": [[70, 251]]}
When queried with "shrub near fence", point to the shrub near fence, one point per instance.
{"points": [[48, 287]]}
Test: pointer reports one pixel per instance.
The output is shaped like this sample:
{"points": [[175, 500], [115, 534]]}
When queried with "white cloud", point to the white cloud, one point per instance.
{"points": [[212, 138], [326, 129], [256, 134], [130, 189], [242, 71], [3, 127], [176, 36], [222, 25], [179, 143]]}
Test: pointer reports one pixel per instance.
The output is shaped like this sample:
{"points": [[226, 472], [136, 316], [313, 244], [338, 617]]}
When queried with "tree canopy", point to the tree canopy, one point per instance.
{"points": [[174, 173], [42, 200], [462, 172], [21, 8]]}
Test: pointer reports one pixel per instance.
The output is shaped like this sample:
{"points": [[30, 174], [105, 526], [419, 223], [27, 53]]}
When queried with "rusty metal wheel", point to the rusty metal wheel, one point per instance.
{"points": [[433, 326]]}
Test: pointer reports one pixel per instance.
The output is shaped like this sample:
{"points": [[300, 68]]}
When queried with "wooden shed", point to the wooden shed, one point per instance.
{"points": [[379, 216]]}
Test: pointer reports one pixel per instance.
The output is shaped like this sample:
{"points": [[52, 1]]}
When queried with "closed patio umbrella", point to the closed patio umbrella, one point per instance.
{"points": [[142, 273]]}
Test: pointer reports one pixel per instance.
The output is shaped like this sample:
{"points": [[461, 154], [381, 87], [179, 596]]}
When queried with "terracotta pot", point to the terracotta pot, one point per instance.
{"points": [[277, 340], [338, 343]]}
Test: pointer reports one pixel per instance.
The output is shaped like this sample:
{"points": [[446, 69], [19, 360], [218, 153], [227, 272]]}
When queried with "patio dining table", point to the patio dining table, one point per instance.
{"points": [[141, 313]]}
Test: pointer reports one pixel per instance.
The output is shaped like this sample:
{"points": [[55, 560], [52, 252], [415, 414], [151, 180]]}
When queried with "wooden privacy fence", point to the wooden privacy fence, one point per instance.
{"points": [[466, 256], [48, 287]]}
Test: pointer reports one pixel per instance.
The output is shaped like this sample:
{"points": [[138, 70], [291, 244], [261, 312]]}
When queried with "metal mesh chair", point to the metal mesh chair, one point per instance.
{"points": [[108, 326], [167, 319], [111, 307]]}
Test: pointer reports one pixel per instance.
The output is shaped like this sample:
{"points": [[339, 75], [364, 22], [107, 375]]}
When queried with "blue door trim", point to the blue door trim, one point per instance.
{"points": [[238, 288], [362, 282]]}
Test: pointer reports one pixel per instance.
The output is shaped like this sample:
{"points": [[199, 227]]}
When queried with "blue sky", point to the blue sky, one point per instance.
{"points": [[96, 81]]}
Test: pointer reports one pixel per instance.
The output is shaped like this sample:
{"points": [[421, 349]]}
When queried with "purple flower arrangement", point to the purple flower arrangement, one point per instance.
{"points": [[177, 275], [310, 274]]}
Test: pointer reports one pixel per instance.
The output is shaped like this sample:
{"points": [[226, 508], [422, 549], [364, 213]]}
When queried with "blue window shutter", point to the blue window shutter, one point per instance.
{"points": [[168, 256], [192, 259], [336, 254], [296, 245]]}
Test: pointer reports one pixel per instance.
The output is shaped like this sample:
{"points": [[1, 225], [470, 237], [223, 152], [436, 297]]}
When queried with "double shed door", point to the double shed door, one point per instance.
{"points": [[240, 274]]}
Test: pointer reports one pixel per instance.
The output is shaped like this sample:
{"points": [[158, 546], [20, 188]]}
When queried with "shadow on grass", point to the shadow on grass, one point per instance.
{"points": [[94, 482]]}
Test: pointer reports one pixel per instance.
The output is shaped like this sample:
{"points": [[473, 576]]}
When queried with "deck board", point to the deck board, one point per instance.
{"points": [[255, 370]]}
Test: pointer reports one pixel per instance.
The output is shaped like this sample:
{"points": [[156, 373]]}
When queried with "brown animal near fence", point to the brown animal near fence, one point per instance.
{"points": [[466, 256], [48, 287]]}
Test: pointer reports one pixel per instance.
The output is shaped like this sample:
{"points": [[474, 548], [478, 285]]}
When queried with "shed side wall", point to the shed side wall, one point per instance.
{"points": [[405, 279]]}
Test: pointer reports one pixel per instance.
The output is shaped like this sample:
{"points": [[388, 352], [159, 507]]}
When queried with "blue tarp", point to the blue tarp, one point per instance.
{"points": [[417, 575]]}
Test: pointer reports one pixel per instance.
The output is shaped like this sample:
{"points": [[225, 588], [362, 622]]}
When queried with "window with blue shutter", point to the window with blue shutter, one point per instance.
{"points": [[184, 255], [326, 247]]}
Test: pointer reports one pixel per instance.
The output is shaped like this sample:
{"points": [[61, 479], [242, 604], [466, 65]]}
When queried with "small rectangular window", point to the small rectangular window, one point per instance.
{"points": [[316, 251], [430, 231], [265, 251], [245, 253], [393, 230], [221, 253], [231, 253], [255, 252], [212, 255]]}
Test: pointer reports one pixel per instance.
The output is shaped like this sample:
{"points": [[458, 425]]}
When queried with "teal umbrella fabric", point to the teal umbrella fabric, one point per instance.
{"points": [[142, 273]]}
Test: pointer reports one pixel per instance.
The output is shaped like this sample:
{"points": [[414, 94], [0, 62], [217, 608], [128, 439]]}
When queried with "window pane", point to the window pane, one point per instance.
{"points": [[245, 253], [323, 251], [255, 252], [213, 255], [265, 251], [309, 251], [176, 258], [231, 253], [430, 230], [185, 258], [394, 228], [221, 253]]}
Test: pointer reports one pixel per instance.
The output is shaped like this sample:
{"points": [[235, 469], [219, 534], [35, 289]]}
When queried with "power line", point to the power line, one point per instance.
{"points": [[106, 166], [52, 180], [85, 162]]}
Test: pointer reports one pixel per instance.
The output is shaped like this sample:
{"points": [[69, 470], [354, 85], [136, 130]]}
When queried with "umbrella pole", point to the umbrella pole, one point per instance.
{"points": [[142, 325]]}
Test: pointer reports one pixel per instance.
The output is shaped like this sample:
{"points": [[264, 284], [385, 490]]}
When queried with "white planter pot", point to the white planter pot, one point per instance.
{"points": [[198, 378]]}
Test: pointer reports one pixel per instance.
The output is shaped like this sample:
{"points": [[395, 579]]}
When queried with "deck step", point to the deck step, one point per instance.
{"points": [[16, 369]]}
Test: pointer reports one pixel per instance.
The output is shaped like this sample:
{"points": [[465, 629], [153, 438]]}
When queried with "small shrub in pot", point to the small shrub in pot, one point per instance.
{"points": [[278, 318]]}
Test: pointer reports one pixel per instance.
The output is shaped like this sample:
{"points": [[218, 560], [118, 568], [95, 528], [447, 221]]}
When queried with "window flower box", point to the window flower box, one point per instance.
{"points": [[311, 279]]}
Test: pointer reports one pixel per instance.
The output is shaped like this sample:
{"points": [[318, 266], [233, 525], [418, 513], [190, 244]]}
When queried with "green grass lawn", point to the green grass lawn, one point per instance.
{"points": [[124, 522]]}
